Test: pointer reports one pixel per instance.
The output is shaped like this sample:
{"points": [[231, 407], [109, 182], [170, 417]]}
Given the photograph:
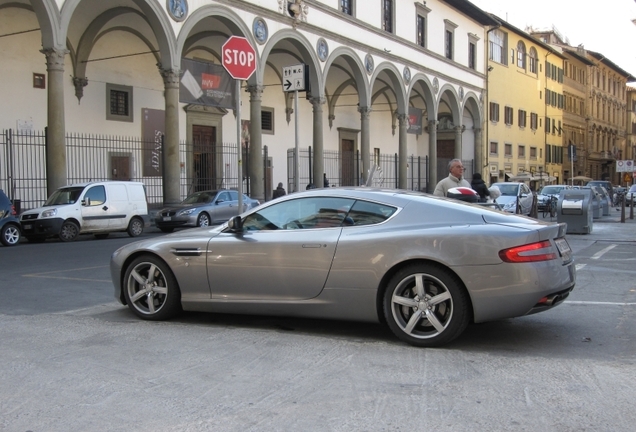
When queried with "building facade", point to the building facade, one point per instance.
{"points": [[525, 100], [384, 77]]}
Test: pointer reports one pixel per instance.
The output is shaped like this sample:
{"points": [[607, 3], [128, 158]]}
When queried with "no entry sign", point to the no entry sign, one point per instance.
{"points": [[239, 57]]}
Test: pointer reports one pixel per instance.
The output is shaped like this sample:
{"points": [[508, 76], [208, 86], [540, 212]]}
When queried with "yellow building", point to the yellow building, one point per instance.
{"points": [[525, 106]]}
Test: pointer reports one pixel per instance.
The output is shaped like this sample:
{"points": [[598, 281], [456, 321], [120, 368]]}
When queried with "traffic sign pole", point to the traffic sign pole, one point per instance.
{"points": [[296, 155], [239, 145]]}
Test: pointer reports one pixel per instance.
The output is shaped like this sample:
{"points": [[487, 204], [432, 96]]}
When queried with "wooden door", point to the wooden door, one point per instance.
{"points": [[445, 153], [120, 168], [205, 176], [348, 167]]}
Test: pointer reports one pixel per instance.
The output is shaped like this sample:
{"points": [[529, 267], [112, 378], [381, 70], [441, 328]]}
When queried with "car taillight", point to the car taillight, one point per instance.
{"points": [[539, 251]]}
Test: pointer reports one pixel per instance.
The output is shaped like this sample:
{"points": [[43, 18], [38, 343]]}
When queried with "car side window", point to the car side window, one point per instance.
{"points": [[96, 195], [302, 213], [368, 213], [223, 196]]}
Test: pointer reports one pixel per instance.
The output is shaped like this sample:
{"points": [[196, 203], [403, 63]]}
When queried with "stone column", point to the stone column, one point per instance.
{"points": [[479, 156], [56, 132], [458, 142], [171, 162], [402, 150], [365, 141], [256, 174], [432, 156], [318, 146]]}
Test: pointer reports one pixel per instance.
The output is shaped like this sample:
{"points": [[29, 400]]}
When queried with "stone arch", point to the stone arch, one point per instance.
{"points": [[396, 81], [357, 68], [450, 96], [48, 16], [426, 90]]}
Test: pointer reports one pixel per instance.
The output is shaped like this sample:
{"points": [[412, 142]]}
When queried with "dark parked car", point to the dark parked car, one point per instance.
{"points": [[9, 223], [426, 266], [203, 208]]}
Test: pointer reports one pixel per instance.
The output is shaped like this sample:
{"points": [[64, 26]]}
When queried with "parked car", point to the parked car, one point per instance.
{"points": [[424, 265], [630, 196], [515, 197], [201, 209], [9, 223], [97, 208], [546, 192]]}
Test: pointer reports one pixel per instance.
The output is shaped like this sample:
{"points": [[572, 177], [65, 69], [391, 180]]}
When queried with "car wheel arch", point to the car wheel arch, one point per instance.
{"points": [[384, 283]]}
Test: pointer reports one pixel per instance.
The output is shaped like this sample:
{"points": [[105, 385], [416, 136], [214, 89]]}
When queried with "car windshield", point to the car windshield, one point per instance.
{"points": [[551, 190], [508, 189], [200, 197], [64, 196]]}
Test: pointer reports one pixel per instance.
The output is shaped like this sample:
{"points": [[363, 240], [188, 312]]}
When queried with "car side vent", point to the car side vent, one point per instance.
{"points": [[187, 252]]}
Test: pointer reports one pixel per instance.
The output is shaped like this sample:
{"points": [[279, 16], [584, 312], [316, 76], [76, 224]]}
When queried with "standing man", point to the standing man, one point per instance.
{"points": [[455, 178]]}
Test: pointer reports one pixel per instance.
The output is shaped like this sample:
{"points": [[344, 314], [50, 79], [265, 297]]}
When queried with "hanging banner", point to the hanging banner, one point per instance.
{"points": [[204, 83], [152, 131], [415, 121]]}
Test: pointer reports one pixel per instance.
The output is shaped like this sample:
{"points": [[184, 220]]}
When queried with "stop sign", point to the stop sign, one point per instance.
{"points": [[239, 57]]}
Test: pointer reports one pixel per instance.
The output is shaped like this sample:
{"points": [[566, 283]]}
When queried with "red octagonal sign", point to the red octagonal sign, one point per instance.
{"points": [[239, 57]]}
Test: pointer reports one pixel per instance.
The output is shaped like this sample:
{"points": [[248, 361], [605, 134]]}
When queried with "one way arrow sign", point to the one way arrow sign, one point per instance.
{"points": [[294, 78]]}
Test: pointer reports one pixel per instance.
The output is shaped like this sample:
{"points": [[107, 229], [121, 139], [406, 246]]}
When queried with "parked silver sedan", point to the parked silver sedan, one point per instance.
{"points": [[426, 266], [515, 197], [202, 208]]}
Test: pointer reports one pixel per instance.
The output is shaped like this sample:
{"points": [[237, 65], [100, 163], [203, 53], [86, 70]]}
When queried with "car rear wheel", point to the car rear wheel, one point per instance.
{"points": [[203, 220], [69, 231], [135, 227], [151, 289], [426, 306], [10, 235]]}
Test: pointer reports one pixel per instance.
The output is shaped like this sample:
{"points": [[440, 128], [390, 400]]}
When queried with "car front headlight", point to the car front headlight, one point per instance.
{"points": [[49, 213], [186, 212], [510, 206]]}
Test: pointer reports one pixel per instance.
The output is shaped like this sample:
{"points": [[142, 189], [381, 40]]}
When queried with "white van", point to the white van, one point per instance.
{"points": [[88, 208]]}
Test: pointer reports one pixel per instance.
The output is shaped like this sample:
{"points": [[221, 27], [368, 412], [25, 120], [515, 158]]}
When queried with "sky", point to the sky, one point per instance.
{"points": [[602, 26]]}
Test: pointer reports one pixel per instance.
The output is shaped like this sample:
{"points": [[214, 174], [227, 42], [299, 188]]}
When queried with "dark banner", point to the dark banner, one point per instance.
{"points": [[152, 131], [415, 121], [206, 84]]}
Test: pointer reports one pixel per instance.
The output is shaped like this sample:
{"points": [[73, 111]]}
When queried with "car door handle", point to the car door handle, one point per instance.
{"points": [[105, 208], [312, 245]]}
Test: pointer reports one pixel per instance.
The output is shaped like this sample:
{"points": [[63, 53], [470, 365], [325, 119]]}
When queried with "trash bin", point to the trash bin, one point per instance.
{"points": [[575, 208]]}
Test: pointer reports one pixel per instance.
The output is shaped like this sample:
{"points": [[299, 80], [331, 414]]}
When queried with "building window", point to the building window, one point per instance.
{"points": [[508, 113], [494, 112], [494, 148], [119, 103], [532, 60], [547, 125], [497, 46], [449, 39], [421, 30], [508, 150], [346, 6], [472, 50], [522, 118], [522, 152], [39, 81], [387, 15], [267, 120], [533, 152], [533, 121], [521, 55]]}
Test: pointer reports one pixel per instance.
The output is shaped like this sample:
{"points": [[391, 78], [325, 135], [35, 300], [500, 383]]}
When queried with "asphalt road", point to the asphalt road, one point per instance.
{"points": [[72, 359]]}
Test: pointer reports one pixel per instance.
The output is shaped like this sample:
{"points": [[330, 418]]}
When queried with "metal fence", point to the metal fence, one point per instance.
{"points": [[342, 169], [98, 158]]}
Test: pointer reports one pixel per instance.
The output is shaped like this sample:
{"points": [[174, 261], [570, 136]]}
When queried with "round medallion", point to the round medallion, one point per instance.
{"points": [[435, 85], [322, 49], [461, 92], [177, 9], [259, 28], [407, 75], [369, 64]]}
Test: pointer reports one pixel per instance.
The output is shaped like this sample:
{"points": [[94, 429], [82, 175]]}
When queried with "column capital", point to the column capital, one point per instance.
{"points": [[54, 58], [401, 118], [170, 77], [79, 83], [256, 92], [317, 101], [365, 112]]}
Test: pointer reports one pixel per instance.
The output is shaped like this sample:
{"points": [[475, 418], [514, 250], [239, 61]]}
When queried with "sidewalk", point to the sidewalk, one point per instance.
{"points": [[610, 228]]}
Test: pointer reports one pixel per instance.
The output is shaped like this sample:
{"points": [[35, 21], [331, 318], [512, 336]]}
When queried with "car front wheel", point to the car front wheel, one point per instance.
{"points": [[69, 231], [10, 235], [426, 306], [151, 289], [203, 220]]}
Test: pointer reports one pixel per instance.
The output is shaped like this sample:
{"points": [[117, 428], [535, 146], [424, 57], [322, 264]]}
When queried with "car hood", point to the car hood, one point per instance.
{"points": [[505, 199]]}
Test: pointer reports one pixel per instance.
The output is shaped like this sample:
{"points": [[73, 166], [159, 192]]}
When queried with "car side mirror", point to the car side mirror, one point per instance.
{"points": [[217, 202], [86, 202], [235, 224]]}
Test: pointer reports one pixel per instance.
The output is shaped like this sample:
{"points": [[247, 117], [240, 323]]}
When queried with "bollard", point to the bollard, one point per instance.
{"points": [[534, 213], [623, 209]]}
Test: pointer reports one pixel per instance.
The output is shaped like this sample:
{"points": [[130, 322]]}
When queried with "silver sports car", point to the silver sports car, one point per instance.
{"points": [[425, 266]]}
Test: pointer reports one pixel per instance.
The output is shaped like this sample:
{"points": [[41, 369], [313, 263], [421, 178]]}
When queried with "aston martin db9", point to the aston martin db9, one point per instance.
{"points": [[423, 265]]}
